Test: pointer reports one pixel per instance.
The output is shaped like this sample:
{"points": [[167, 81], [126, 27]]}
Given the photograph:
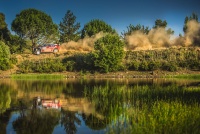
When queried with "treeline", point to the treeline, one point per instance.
{"points": [[33, 27]]}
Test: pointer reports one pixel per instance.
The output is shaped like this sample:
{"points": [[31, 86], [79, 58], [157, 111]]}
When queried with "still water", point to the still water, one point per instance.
{"points": [[99, 106]]}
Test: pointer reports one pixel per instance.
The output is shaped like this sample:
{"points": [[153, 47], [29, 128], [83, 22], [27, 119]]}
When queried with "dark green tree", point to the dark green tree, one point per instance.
{"points": [[95, 26], [131, 28], [194, 17], [36, 26], [4, 56], [160, 24], [69, 28], [109, 53], [4, 32]]}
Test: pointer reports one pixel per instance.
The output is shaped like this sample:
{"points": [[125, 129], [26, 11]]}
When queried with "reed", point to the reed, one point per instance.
{"points": [[148, 109]]}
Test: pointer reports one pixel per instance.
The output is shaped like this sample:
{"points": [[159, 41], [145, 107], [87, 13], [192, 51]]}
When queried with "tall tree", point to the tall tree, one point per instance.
{"points": [[160, 24], [4, 32], [131, 28], [163, 24], [194, 17], [69, 28], [35, 25], [95, 26]]}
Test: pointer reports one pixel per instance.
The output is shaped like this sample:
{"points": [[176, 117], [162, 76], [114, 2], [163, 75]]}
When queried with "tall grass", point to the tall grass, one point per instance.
{"points": [[159, 118], [152, 109]]}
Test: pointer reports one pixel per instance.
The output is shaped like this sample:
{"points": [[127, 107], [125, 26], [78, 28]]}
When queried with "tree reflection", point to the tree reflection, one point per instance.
{"points": [[68, 120], [94, 122], [5, 98], [4, 119], [36, 121]]}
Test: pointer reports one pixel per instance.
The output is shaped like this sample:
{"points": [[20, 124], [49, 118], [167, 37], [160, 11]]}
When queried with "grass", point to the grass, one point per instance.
{"points": [[154, 109], [37, 76], [188, 76], [159, 118]]}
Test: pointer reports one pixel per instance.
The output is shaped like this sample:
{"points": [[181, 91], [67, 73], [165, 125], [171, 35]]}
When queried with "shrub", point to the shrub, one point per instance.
{"points": [[144, 66], [109, 53], [134, 65], [170, 66], [4, 56], [154, 65]]}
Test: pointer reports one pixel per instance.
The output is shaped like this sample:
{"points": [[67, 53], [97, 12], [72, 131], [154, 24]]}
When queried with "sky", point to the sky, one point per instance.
{"points": [[117, 13]]}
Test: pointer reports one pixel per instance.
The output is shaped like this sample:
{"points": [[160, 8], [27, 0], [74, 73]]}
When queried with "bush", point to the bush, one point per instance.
{"points": [[4, 56], [154, 65], [144, 66], [42, 66], [170, 66], [134, 65], [109, 53]]}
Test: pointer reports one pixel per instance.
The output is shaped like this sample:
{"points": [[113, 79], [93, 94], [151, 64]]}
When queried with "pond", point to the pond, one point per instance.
{"points": [[99, 106]]}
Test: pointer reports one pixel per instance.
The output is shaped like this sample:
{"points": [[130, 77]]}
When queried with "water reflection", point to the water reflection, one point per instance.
{"points": [[99, 106]]}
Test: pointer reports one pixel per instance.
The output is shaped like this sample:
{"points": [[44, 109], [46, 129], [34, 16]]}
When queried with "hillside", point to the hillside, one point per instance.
{"points": [[171, 55]]}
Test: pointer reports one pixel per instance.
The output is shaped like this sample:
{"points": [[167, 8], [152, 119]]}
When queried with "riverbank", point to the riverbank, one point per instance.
{"points": [[126, 74]]}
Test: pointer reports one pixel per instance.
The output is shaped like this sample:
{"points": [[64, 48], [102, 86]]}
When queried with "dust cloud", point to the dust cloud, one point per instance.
{"points": [[84, 45], [160, 38]]}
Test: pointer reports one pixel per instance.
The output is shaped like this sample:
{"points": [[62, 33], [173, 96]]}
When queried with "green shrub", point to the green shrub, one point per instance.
{"points": [[134, 65], [109, 53], [42, 66], [154, 65], [4, 56], [170, 66], [144, 66]]}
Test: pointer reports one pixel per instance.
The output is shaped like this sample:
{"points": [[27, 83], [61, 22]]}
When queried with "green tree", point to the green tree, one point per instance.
{"points": [[4, 32], [69, 28], [108, 54], [160, 24], [131, 28], [2, 21], [4, 56], [35, 25], [194, 17], [95, 26]]}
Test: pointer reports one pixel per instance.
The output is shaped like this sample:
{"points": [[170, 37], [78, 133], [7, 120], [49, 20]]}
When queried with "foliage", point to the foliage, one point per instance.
{"points": [[4, 56], [109, 53], [35, 25], [133, 65], [196, 34], [154, 65], [147, 107], [95, 26], [169, 59], [68, 28], [79, 62], [194, 17], [170, 66], [5, 99], [4, 32], [41, 66], [131, 28], [160, 24], [144, 66], [2, 21]]}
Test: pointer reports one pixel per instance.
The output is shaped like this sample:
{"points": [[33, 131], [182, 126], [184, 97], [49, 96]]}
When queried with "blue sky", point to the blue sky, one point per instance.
{"points": [[117, 13]]}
